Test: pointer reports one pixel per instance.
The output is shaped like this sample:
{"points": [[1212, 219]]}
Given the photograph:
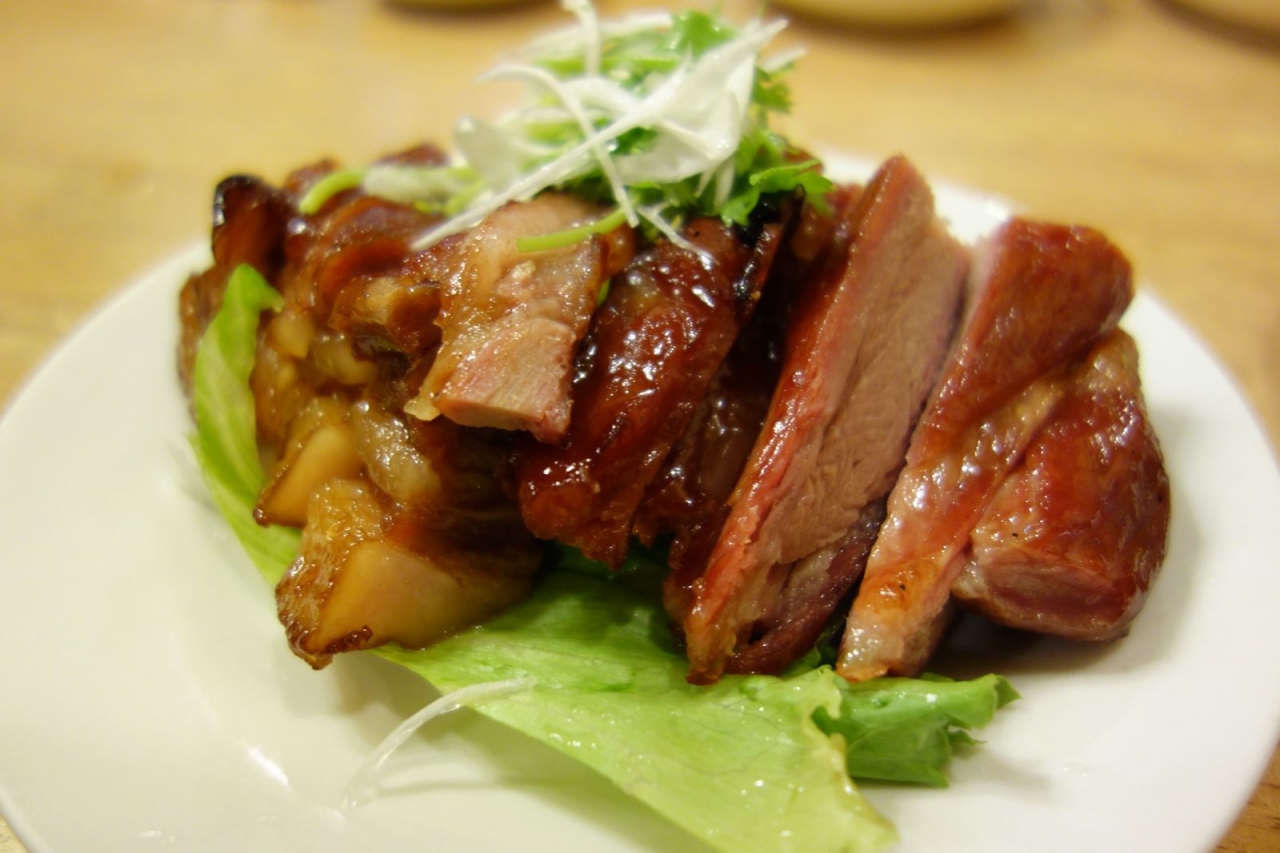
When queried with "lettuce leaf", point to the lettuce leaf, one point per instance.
{"points": [[740, 764], [225, 443], [906, 729], [753, 763]]}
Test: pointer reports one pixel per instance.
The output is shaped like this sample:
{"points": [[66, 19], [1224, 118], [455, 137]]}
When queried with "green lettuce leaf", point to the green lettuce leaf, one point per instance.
{"points": [[753, 763], [740, 764], [225, 443], [906, 729]]}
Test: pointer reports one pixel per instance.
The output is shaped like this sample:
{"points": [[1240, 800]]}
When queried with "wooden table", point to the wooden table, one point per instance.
{"points": [[1158, 126]]}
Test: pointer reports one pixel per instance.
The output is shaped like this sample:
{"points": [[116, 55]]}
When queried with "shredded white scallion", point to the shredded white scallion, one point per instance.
{"points": [[782, 61], [586, 15], [363, 785], [569, 41], [578, 111], [407, 184], [545, 176]]}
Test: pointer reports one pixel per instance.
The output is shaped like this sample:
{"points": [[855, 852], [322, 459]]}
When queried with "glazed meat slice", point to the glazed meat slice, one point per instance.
{"points": [[1076, 534], [813, 590], [689, 497], [1043, 295], [352, 239], [357, 584], [511, 321], [865, 341], [649, 358], [407, 532]]}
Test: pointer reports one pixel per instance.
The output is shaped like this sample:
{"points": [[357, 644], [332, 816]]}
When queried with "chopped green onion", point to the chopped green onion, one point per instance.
{"points": [[560, 239], [463, 198], [329, 186]]}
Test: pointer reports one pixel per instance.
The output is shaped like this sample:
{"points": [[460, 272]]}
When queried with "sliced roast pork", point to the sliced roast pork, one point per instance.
{"points": [[864, 344], [1076, 533], [1043, 295], [649, 358], [813, 590], [688, 500], [511, 321]]}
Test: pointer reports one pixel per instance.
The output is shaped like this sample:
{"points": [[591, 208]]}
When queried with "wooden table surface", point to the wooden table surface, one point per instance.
{"points": [[1153, 123]]}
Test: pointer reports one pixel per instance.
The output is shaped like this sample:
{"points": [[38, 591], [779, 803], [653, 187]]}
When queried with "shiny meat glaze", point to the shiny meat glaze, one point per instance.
{"points": [[1076, 533], [337, 260], [864, 344], [1043, 294], [649, 358], [511, 321]]}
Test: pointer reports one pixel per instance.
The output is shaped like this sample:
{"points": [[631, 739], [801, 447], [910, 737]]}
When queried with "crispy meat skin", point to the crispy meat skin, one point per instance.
{"points": [[864, 343], [1043, 294], [689, 497], [652, 351], [1076, 534]]}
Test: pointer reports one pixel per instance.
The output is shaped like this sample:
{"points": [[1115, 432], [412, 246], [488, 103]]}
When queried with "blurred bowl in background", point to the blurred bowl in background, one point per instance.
{"points": [[903, 13], [1254, 14], [458, 5]]}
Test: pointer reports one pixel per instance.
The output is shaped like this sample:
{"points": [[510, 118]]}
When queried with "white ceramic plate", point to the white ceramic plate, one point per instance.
{"points": [[149, 701]]}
